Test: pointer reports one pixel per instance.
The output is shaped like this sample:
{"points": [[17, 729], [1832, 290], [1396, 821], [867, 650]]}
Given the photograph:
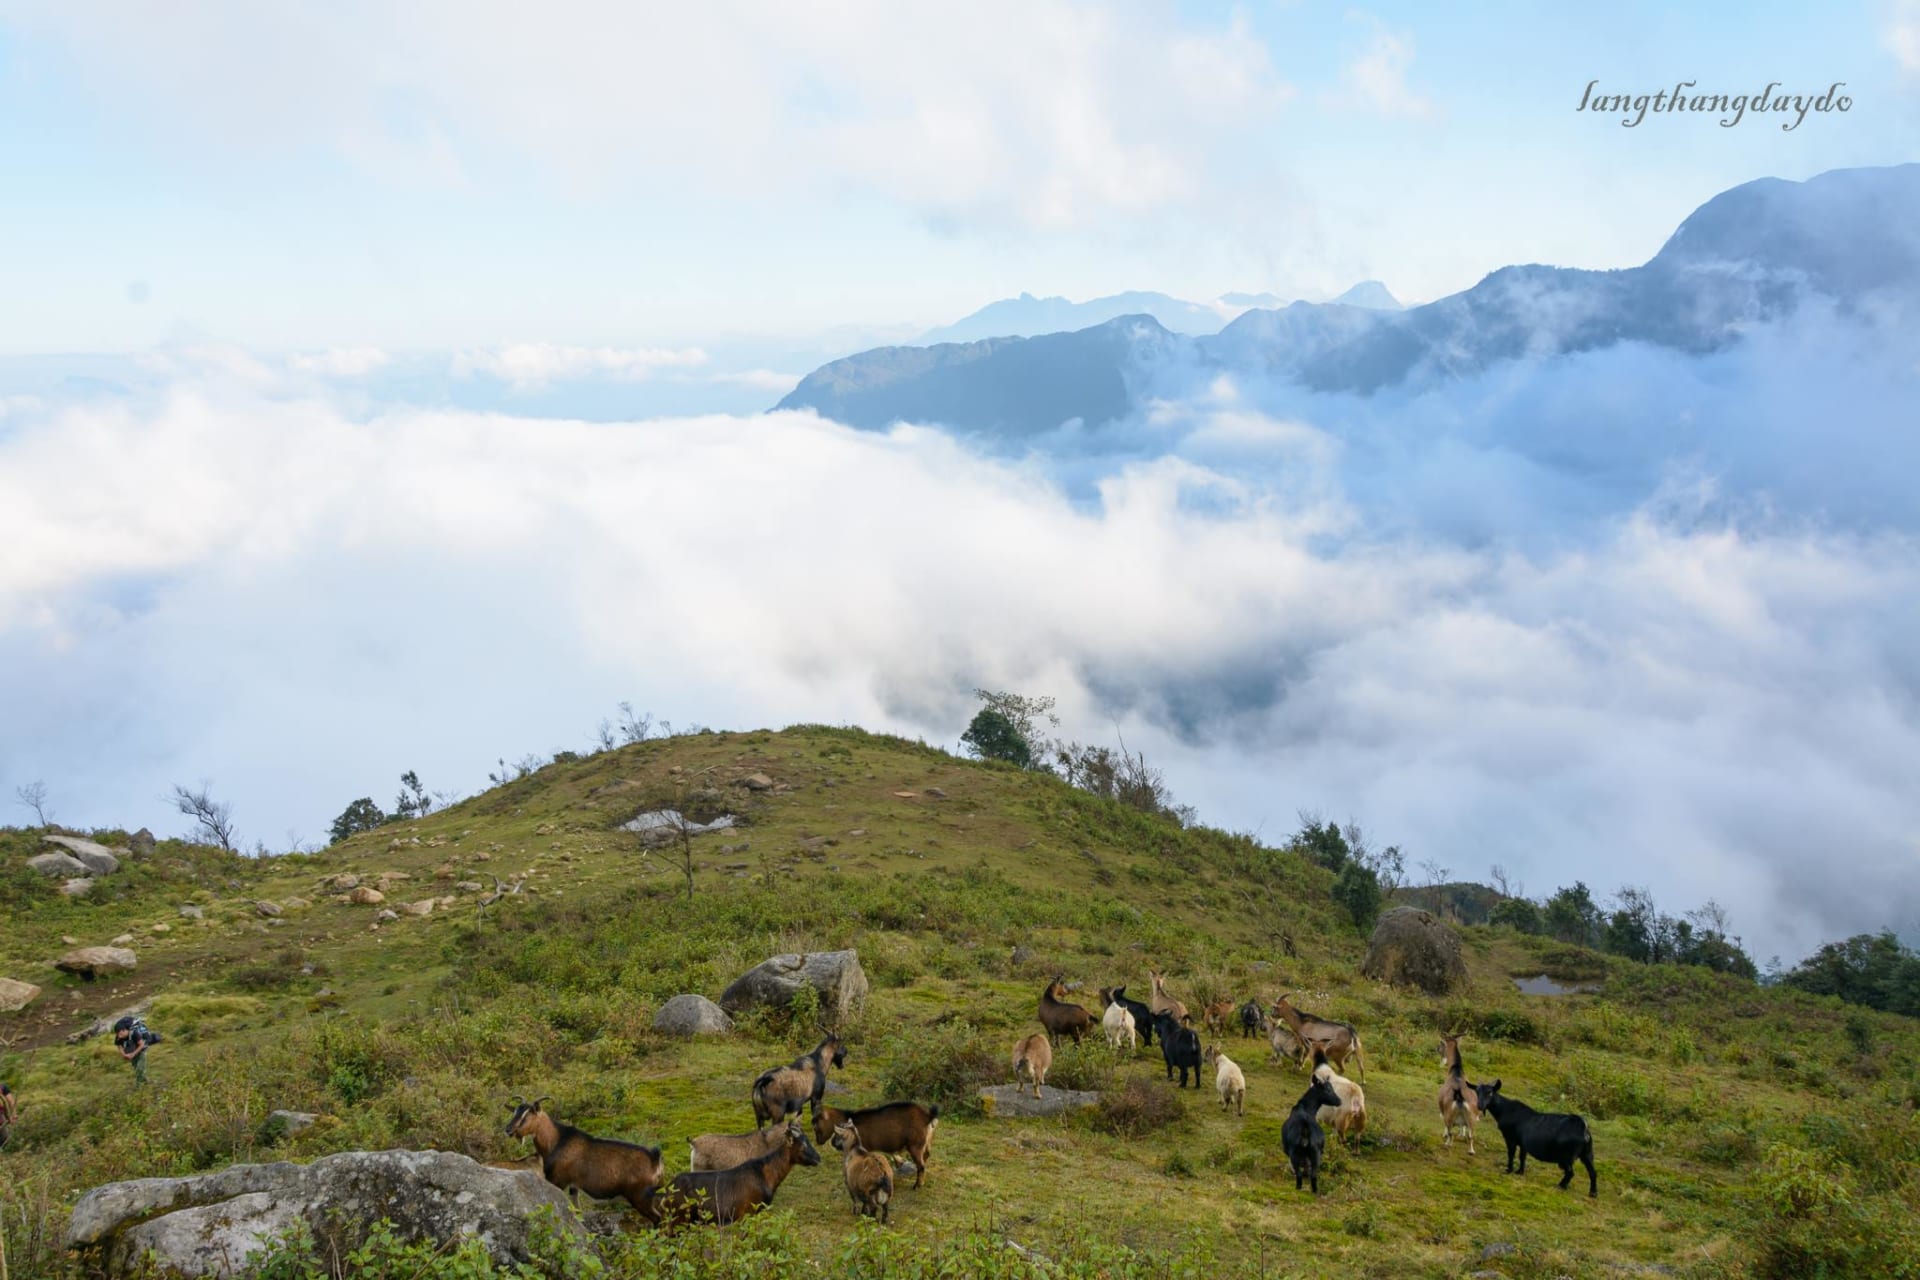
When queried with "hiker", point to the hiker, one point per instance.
{"points": [[132, 1037]]}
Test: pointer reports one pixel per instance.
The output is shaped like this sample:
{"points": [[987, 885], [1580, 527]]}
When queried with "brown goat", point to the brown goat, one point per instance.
{"points": [[869, 1177], [1061, 1018], [725, 1150], [1459, 1104], [722, 1196], [1284, 1043], [782, 1092], [890, 1127], [1217, 1016], [576, 1161], [1162, 1002], [1032, 1059], [1338, 1040]]}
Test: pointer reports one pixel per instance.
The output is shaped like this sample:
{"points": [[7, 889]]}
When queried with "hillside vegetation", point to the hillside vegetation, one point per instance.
{"points": [[1740, 1130]]}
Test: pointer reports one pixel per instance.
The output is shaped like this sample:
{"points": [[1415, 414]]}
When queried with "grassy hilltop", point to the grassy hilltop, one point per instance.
{"points": [[1739, 1130]]}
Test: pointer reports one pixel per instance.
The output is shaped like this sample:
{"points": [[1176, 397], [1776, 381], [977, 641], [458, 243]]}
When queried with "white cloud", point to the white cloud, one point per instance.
{"points": [[1045, 113], [767, 380], [1902, 34], [340, 362], [534, 364], [1378, 77]]}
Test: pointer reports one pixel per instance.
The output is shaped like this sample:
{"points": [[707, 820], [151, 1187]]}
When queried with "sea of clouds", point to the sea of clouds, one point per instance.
{"points": [[1632, 617]]}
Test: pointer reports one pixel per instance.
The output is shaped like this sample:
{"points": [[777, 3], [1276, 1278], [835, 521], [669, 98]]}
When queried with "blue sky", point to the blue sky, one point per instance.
{"points": [[436, 175]]}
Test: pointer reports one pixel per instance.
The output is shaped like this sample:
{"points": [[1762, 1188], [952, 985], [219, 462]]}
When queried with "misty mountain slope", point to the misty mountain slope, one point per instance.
{"points": [[964, 887], [1012, 386], [1754, 254], [1027, 316]]}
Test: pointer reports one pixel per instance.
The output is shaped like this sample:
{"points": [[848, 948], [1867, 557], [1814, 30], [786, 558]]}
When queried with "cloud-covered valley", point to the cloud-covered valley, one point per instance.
{"points": [[1633, 617]]}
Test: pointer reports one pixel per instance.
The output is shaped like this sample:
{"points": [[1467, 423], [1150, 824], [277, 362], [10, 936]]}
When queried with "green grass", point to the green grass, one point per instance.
{"points": [[1721, 1110]]}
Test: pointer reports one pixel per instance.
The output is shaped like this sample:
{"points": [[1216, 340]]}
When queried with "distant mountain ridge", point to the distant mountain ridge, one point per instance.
{"points": [[1751, 254]]}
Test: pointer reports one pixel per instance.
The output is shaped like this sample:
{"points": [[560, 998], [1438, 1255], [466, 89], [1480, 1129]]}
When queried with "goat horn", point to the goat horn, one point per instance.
{"points": [[545, 1097]]}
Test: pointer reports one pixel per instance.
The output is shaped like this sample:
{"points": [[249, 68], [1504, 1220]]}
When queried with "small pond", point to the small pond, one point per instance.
{"points": [[1542, 985]]}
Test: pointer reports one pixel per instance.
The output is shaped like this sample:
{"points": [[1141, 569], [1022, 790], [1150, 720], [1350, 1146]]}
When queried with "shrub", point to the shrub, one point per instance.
{"points": [[944, 1065], [1139, 1108], [1088, 1065]]}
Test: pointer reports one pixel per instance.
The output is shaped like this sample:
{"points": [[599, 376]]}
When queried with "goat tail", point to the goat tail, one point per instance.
{"points": [[933, 1113]]}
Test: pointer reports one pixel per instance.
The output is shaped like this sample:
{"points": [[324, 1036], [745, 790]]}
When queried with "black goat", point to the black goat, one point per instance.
{"points": [[1179, 1047], [1142, 1016], [1253, 1019], [1302, 1138], [1555, 1137]]}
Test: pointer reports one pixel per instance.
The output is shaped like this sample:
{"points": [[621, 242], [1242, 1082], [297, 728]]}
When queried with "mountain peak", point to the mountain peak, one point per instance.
{"points": [[1370, 294]]}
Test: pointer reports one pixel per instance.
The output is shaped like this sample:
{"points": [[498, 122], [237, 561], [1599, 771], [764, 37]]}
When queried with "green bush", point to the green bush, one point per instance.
{"points": [[944, 1065], [1139, 1108]]}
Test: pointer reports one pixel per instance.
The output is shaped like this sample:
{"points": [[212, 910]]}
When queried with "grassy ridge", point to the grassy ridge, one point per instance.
{"points": [[1737, 1129]]}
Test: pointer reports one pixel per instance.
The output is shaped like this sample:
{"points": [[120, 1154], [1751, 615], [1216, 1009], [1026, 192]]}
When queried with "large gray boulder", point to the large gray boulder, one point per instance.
{"points": [[1415, 948], [140, 843], [97, 858], [836, 975], [16, 995], [212, 1223], [1006, 1100], [56, 864], [90, 962], [692, 1016]]}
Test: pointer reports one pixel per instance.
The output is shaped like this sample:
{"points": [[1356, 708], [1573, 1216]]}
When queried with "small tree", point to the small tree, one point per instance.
{"points": [[1322, 842], [1358, 890], [413, 801], [992, 736], [362, 815], [1007, 727], [1571, 915], [634, 728], [33, 795], [1523, 914], [213, 821]]}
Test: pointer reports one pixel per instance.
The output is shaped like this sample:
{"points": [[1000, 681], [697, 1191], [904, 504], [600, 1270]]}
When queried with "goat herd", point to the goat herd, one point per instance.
{"points": [[732, 1175]]}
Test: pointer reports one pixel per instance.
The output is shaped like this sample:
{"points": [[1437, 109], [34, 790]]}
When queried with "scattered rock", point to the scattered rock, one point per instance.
{"points": [[56, 864], [140, 843], [283, 1124], [857, 831], [468, 886], [384, 915], [191, 912], [15, 995], [344, 882], [1493, 1251], [89, 963], [122, 939], [1415, 948], [161, 928], [295, 904], [906, 795], [692, 1016], [424, 907], [836, 975], [444, 871], [935, 792], [1021, 955], [1005, 1100], [69, 940], [757, 782], [78, 887], [365, 897], [211, 1224], [266, 908], [389, 877]]}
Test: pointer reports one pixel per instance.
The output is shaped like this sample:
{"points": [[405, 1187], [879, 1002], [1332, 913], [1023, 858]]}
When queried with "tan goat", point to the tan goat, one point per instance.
{"points": [[1032, 1059]]}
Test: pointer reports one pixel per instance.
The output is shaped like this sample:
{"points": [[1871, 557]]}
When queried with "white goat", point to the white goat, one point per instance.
{"points": [[1350, 1117], [1117, 1022], [1229, 1080]]}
